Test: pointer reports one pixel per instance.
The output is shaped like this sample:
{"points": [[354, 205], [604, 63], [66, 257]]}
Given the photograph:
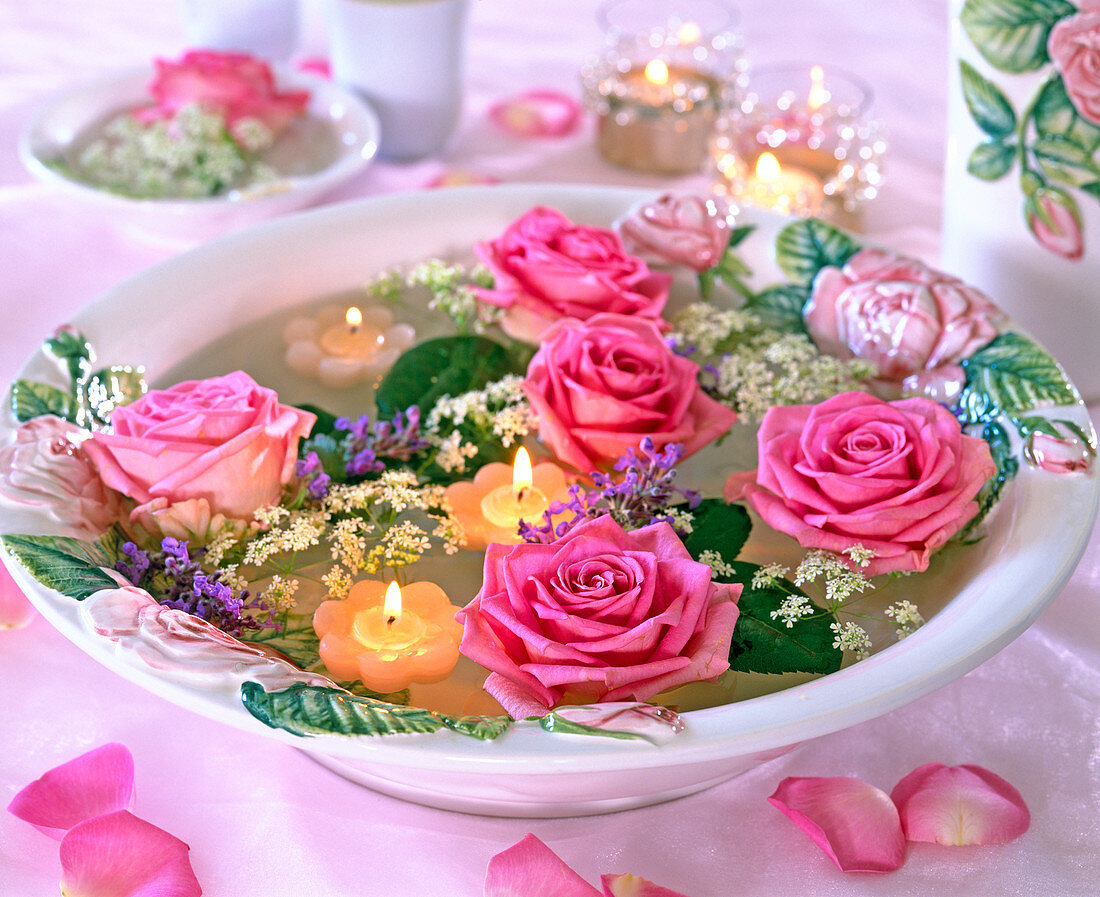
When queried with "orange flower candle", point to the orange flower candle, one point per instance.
{"points": [[501, 495], [389, 637]]}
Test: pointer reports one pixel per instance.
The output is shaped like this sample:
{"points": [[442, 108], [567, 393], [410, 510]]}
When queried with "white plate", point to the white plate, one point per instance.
{"points": [[331, 143], [995, 588]]}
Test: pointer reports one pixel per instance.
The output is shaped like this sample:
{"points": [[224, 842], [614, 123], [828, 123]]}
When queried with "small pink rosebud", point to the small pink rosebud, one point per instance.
{"points": [[1054, 219]]}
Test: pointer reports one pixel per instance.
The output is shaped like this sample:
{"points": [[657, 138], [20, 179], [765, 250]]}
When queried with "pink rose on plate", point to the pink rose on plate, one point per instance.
{"points": [[600, 615], [234, 85], [546, 268], [681, 230], [898, 478], [1074, 46], [45, 471], [221, 446], [906, 318], [599, 386]]}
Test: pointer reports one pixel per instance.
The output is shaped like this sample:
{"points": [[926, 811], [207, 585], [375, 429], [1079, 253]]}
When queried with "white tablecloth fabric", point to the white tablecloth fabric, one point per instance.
{"points": [[262, 818]]}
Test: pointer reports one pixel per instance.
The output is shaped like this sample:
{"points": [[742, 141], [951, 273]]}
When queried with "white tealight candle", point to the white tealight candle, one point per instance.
{"points": [[788, 190]]}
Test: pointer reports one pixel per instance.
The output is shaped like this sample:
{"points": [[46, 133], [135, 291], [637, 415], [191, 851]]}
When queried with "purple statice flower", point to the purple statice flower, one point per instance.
{"points": [[310, 470], [366, 444], [177, 580], [643, 494]]}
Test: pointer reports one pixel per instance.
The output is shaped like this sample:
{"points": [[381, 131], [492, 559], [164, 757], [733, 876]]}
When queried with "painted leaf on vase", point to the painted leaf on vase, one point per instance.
{"points": [[763, 645], [991, 161], [780, 306], [1012, 374], [449, 365], [1065, 161], [1012, 35], [989, 107], [805, 247], [1055, 116], [60, 564]]}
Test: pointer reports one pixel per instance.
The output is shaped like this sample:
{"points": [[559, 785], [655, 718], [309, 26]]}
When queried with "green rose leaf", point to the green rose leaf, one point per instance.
{"points": [[562, 726], [1000, 448], [718, 527], [991, 161], [990, 108], [316, 710], [31, 399], [763, 645], [110, 387], [1012, 34], [1055, 116], [1064, 160], [1010, 375], [805, 247], [1092, 189], [297, 639], [780, 306], [60, 564], [485, 728], [449, 365]]}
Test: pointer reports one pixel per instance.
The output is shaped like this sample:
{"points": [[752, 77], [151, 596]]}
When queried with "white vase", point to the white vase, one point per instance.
{"points": [[1006, 85], [265, 28], [406, 58]]}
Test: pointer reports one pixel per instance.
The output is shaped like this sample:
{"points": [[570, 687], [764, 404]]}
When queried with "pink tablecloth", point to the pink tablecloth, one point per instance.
{"points": [[262, 818]]}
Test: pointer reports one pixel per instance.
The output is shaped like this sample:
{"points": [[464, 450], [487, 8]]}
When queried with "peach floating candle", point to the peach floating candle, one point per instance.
{"points": [[344, 346], [388, 637], [491, 506]]}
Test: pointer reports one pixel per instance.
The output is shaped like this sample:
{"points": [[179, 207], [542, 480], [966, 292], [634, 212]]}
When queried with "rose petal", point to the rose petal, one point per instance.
{"points": [[529, 868], [856, 824], [627, 885], [15, 609], [959, 805], [459, 177], [119, 855], [537, 113], [100, 781]]}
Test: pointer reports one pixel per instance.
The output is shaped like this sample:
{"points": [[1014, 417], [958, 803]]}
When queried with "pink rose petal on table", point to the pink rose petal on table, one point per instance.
{"points": [[120, 855], [531, 869], [959, 805], [856, 824], [15, 610], [100, 781], [458, 177], [537, 113], [627, 885]]}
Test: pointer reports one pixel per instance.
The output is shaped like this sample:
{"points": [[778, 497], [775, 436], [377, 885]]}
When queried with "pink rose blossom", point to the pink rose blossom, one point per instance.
{"points": [[897, 313], [600, 615], [1074, 46], [45, 471], [546, 268], [681, 230], [898, 478], [598, 387], [225, 441], [234, 85], [1054, 219]]}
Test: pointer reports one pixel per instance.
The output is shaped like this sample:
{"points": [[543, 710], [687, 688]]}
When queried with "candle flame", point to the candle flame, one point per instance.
{"points": [[656, 72], [391, 606], [354, 317], [522, 477], [689, 33], [767, 167], [819, 96]]}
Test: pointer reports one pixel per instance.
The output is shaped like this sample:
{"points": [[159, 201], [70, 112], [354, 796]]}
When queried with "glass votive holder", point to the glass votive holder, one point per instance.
{"points": [[660, 83], [798, 139]]}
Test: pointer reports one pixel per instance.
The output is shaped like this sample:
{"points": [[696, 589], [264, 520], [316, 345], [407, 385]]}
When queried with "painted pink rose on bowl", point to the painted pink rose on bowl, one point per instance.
{"points": [[598, 387], [224, 444], [681, 230], [45, 471], [234, 85], [905, 317], [1074, 46], [898, 478], [546, 268], [600, 615]]}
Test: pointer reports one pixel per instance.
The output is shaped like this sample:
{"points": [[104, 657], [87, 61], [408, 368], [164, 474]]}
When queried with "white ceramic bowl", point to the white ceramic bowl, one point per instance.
{"points": [[994, 589], [336, 138]]}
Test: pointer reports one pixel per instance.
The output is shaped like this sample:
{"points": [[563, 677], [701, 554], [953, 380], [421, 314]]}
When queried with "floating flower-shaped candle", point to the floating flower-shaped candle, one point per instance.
{"points": [[491, 507], [344, 346], [389, 637]]}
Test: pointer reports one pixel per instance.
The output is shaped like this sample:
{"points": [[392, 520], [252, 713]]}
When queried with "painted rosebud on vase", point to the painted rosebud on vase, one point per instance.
{"points": [[1055, 220]]}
